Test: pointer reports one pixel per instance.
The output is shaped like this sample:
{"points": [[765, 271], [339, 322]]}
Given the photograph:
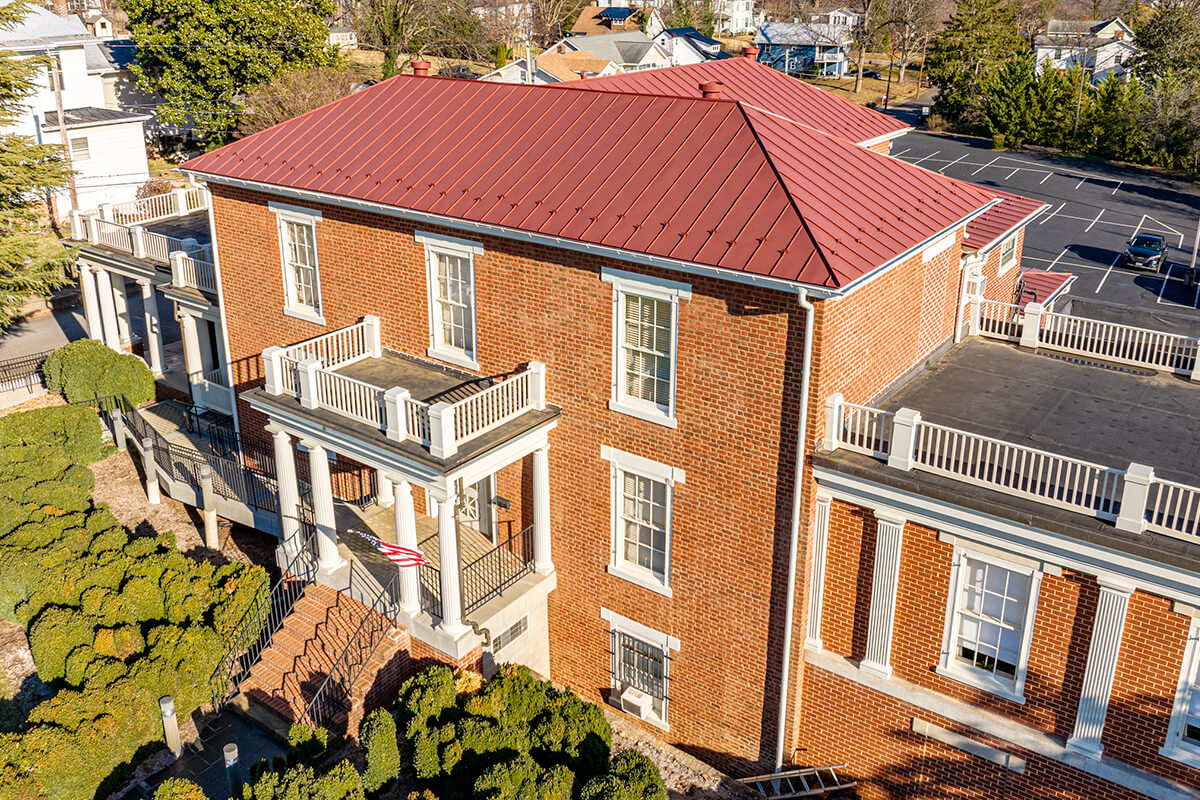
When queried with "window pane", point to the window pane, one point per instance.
{"points": [[643, 505], [646, 341], [991, 618], [300, 250], [640, 664], [453, 298]]}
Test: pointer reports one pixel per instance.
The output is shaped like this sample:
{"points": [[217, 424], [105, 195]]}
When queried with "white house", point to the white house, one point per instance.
{"points": [[343, 38], [736, 16], [553, 67], [1101, 47], [107, 145], [628, 50], [689, 46], [840, 16]]}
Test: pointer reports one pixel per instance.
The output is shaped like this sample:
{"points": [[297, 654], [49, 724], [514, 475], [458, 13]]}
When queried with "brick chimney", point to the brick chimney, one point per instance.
{"points": [[420, 69], [60, 8], [750, 51], [711, 90], [562, 48]]}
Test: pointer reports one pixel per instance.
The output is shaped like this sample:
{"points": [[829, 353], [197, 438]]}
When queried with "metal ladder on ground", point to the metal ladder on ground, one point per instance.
{"points": [[807, 782]]}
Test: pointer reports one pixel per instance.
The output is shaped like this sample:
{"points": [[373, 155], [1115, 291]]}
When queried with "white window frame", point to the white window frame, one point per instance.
{"points": [[300, 216], [663, 641], [631, 283], [620, 463], [86, 150], [1177, 747], [949, 665], [1012, 258], [438, 244]]}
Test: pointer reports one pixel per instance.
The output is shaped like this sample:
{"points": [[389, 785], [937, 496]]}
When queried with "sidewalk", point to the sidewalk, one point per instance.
{"points": [[909, 109]]}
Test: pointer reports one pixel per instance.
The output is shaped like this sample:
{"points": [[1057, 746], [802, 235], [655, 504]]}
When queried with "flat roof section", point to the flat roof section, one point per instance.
{"points": [[1077, 407]]}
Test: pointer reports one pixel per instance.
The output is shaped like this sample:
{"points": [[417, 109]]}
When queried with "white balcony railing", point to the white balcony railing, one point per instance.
{"points": [[306, 371], [1133, 498], [188, 270], [178, 202]]}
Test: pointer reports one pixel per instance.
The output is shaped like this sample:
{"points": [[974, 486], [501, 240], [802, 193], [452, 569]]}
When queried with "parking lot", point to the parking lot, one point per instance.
{"points": [[1094, 210]]}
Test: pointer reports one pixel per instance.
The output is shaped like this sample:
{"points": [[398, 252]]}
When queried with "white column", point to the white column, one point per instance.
{"points": [[384, 493], [322, 494], [1135, 495], [452, 622], [289, 486], [108, 309], [91, 307], [889, 536], [193, 361], [1031, 326], [1101, 667], [816, 585], [542, 560], [121, 301], [406, 536], [153, 344]]}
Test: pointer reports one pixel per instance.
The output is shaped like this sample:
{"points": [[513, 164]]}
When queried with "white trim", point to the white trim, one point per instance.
{"points": [[287, 209], [648, 285], [283, 216], [634, 628], [448, 243], [1176, 747], [968, 745], [1000, 268], [990, 245], [631, 284], [950, 666], [455, 248], [662, 641], [887, 137], [643, 466], [937, 248], [622, 462], [816, 586]]}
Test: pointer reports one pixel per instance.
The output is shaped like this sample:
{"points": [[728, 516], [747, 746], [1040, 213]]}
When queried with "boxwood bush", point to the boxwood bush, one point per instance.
{"points": [[114, 621], [85, 369]]}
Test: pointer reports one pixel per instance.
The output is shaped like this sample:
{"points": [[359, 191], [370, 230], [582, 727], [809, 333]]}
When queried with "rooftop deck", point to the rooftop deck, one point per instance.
{"points": [[152, 229], [425, 381]]}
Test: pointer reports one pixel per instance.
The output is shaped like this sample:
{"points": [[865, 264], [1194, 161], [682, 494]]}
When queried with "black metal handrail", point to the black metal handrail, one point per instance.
{"points": [[260, 624], [499, 568], [22, 372], [334, 692], [430, 582]]}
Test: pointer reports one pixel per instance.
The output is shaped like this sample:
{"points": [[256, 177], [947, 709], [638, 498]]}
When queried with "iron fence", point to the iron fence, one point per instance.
{"points": [[499, 568], [430, 580], [22, 372]]}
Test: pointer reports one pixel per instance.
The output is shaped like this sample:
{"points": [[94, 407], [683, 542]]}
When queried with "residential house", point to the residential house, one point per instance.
{"points": [[595, 20], [839, 17], [98, 24], [107, 146], [628, 50], [552, 67], [343, 37], [735, 17], [1100, 47], [688, 46], [796, 48], [511, 21]]}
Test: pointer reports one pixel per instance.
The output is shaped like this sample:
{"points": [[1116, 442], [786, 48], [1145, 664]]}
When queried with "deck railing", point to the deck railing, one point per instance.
{"points": [[187, 270], [1135, 499], [307, 371], [489, 575], [112, 234], [999, 320], [178, 202]]}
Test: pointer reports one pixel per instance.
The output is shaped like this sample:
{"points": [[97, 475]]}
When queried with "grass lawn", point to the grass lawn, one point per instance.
{"points": [[872, 90], [369, 64]]}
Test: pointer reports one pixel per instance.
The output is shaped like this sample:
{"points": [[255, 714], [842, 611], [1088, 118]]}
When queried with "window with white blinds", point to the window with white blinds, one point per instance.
{"points": [[301, 273]]}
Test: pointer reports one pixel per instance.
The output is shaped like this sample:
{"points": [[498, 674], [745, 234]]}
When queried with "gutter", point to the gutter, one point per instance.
{"points": [[793, 546]]}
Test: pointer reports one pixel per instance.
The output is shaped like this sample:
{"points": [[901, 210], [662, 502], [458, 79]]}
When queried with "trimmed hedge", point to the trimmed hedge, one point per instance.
{"points": [[630, 776], [85, 369], [179, 789], [378, 738], [114, 622]]}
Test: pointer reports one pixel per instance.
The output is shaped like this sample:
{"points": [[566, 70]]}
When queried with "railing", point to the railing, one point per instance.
{"points": [[1173, 509], [866, 430], [195, 199], [144, 209], [999, 320], [189, 271], [430, 581], [499, 568], [110, 234], [349, 397], [417, 420], [1115, 342], [1053, 479], [22, 372], [333, 696], [299, 568], [216, 377], [491, 408], [178, 202], [159, 247], [341, 347]]}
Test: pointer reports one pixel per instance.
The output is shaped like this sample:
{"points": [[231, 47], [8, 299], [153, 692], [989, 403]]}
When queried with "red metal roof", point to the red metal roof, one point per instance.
{"points": [[1039, 286], [990, 226], [758, 85], [717, 183]]}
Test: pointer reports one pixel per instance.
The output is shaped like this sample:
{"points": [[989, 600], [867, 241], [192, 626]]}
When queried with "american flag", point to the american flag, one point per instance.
{"points": [[402, 556]]}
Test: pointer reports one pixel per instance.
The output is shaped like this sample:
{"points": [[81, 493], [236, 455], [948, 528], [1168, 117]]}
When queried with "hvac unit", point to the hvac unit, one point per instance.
{"points": [[635, 701], [976, 285]]}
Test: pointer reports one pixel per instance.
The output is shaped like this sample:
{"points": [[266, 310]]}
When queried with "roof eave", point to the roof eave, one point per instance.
{"points": [[886, 137], [991, 245]]}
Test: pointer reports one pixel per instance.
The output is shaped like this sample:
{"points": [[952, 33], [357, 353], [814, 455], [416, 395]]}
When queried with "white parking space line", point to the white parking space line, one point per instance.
{"points": [[1162, 289], [952, 163], [1172, 230], [985, 166], [1081, 182], [1066, 264], [1107, 272], [1043, 180], [1014, 172], [902, 152], [1118, 186], [1044, 220], [1066, 250], [931, 155], [1093, 222]]}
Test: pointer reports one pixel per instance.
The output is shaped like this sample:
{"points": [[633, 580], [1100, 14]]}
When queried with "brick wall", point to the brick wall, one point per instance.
{"points": [[1003, 288]]}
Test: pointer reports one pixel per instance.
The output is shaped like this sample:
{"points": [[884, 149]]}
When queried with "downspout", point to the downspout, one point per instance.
{"points": [[793, 546]]}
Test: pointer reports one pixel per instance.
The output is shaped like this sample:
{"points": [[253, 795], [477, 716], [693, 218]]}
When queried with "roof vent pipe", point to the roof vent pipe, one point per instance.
{"points": [[711, 90], [420, 68], [750, 52]]}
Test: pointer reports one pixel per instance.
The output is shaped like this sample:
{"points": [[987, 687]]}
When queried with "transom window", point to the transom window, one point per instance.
{"points": [[643, 491], [989, 623], [640, 667], [301, 273], [1183, 734], [1008, 254], [451, 266]]}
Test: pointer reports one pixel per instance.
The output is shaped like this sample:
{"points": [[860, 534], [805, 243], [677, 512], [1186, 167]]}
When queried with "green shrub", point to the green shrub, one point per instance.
{"points": [[425, 696], [306, 743], [630, 776], [522, 778], [62, 432], [378, 737], [86, 369], [56, 633], [179, 789]]}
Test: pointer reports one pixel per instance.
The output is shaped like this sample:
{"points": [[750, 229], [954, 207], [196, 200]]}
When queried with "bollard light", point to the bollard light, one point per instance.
{"points": [[166, 705], [232, 770]]}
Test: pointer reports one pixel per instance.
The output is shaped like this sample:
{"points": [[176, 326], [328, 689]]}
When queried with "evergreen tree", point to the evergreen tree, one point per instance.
{"points": [[1053, 101], [1116, 119], [31, 259], [204, 55], [961, 57], [1172, 121], [1169, 40], [1012, 108]]}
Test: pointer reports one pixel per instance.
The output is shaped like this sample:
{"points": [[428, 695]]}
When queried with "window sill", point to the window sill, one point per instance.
{"points": [[457, 358], [640, 579], [1183, 753], [655, 415], [980, 682], [651, 720], [306, 314]]}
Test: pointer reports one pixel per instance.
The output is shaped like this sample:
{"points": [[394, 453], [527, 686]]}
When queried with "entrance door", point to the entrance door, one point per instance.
{"points": [[475, 508]]}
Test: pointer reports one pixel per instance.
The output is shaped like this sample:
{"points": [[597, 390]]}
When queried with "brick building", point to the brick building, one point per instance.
{"points": [[577, 371]]}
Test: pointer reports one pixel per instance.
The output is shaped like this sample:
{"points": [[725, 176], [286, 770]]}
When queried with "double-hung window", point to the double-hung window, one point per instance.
{"points": [[79, 149], [640, 668], [301, 273], [450, 264], [1183, 735], [642, 492], [645, 340], [989, 623], [1008, 254]]}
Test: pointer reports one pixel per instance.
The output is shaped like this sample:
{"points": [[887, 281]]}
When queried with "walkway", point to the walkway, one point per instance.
{"points": [[203, 761]]}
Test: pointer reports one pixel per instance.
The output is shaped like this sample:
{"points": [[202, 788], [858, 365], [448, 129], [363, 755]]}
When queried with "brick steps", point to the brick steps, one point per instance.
{"points": [[306, 649]]}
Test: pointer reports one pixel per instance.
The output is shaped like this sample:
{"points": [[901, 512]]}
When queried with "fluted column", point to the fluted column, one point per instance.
{"points": [[322, 494], [452, 622], [542, 560], [888, 539], [406, 536], [91, 302], [816, 584], [1101, 668], [153, 344], [289, 486], [121, 302], [193, 360]]}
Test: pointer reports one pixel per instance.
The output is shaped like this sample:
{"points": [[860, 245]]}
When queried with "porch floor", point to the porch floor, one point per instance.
{"points": [[381, 522]]}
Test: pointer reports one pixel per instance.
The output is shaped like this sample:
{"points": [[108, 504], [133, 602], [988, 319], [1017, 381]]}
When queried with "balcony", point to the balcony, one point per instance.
{"points": [[417, 406], [151, 228]]}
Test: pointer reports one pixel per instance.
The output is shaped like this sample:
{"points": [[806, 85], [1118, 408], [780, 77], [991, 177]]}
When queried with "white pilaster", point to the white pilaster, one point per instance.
{"points": [[121, 301], [452, 623], [406, 536], [1105, 647], [153, 344], [322, 494], [91, 307], [108, 310], [542, 560], [816, 585], [888, 539], [193, 361], [289, 486]]}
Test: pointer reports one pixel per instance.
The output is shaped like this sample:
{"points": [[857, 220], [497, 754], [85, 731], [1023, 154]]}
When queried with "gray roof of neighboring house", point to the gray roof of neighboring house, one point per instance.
{"points": [[802, 33], [1092, 42], [1079, 27], [87, 117], [43, 28], [623, 47], [113, 55]]}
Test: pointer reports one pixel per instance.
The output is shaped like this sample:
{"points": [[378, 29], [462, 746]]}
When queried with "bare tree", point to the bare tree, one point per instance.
{"points": [[552, 17], [395, 27], [913, 23], [291, 94], [865, 30]]}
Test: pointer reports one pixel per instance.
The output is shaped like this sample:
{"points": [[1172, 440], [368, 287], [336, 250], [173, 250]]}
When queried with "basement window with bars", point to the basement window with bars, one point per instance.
{"points": [[645, 340], [301, 273], [451, 275], [1183, 734], [640, 661], [989, 622]]}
